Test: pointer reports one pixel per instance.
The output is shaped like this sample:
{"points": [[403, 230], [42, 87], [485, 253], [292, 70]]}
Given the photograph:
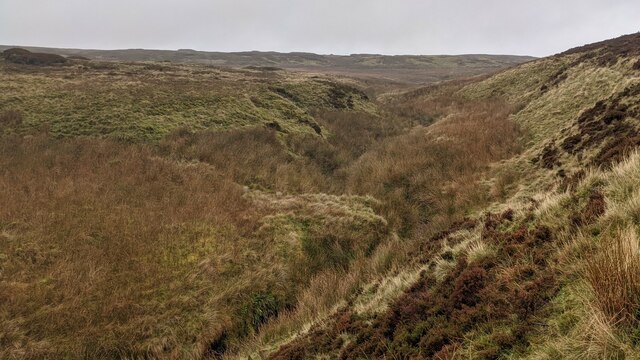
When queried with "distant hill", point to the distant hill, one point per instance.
{"points": [[413, 69]]}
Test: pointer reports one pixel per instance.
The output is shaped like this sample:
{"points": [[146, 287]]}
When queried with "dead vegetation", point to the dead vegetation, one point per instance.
{"points": [[499, 294], [466, 304], [614, 275], [181, 213]]}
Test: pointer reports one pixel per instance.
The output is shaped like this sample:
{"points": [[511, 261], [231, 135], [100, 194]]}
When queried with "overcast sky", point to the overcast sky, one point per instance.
{"points": [[526, 27]]}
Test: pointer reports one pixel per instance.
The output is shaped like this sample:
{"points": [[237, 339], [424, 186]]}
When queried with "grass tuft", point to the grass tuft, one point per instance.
{"points": [[614, 275]]}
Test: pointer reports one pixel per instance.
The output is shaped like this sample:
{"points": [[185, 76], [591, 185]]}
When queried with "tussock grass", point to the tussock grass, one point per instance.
{"points": [[614, 275], [423, 179], [451, 152], [110, 250]]}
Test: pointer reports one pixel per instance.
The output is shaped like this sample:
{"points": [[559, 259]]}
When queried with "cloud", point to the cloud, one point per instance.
{"points": [[539, 28]]}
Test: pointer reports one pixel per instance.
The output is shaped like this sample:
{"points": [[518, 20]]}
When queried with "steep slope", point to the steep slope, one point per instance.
{"points": [[547, 267]]}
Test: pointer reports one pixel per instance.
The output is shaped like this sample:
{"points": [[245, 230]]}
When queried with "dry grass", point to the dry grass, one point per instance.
{"points": [[109, 250], [106, 249], [424, 179], [433, 172], [253, 217], [614, 275]]}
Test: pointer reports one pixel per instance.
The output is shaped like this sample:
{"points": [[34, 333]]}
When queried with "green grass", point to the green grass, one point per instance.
{"points": [[134, 102]]}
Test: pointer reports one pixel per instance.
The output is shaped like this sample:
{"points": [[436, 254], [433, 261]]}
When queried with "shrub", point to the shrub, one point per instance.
{"points": [[467, 286]]}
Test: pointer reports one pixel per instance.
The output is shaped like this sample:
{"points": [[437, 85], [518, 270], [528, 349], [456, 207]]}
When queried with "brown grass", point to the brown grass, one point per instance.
{"points": [[109, 250], [254, 156], [103, 246], [432, 172], [614, 275], [426, 179]]}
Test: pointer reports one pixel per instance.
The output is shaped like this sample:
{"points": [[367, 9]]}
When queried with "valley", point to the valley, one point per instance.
{"points": [[199, 205]]}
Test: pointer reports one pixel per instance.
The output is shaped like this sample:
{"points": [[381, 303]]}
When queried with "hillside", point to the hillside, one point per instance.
{"points": [[546, 270], [146, 101], [412, 69], [176, 210]]}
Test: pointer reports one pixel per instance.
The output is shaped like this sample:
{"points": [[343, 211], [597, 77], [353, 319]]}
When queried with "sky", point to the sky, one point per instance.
{"points": [[519, 27]]}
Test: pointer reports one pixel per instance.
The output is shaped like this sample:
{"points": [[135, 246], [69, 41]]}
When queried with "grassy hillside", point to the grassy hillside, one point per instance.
{"points": [[546, 267], [184, 211], [146, 101]]}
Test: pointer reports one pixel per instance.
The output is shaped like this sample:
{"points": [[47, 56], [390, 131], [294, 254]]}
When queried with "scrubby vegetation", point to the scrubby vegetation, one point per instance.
{"points": [[179, 211], [548, 269], [22, 56]]}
